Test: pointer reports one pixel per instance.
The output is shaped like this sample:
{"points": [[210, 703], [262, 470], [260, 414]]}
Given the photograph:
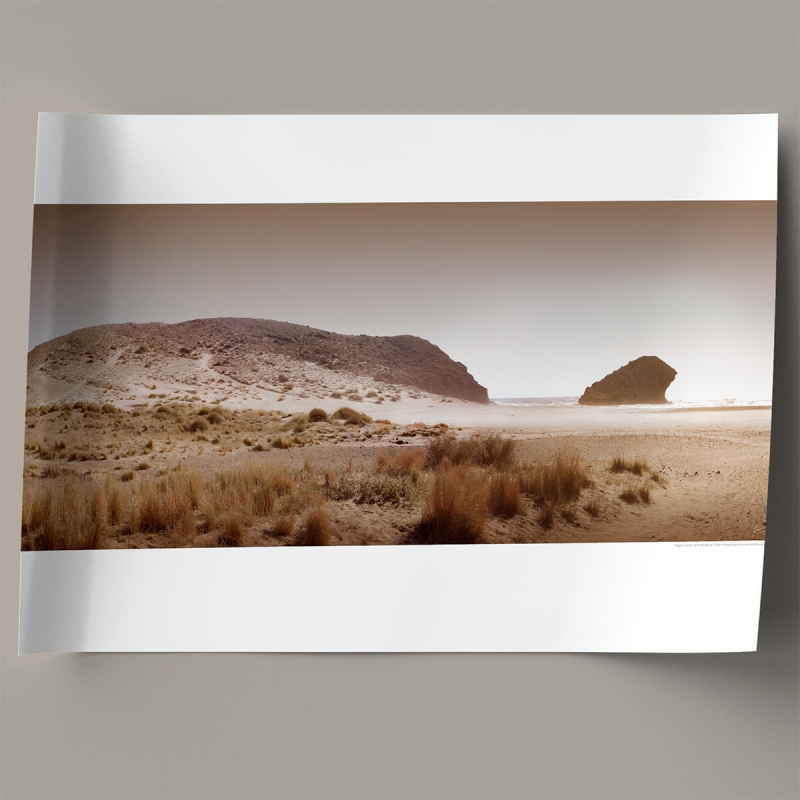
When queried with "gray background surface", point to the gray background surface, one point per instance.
{"points": [[539, 726]]}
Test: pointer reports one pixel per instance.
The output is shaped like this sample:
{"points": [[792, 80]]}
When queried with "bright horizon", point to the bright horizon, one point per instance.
{"points": [[537, 300]]}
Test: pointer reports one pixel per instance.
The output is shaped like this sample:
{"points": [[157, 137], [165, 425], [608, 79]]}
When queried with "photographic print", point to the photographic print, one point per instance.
{"points": [[446, 383], [266, 375]]}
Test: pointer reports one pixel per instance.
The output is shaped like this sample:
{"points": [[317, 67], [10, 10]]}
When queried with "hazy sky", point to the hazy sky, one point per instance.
{"points": [[537, 299]]}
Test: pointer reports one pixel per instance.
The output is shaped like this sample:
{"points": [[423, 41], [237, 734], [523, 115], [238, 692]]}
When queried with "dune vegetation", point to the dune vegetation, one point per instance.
{"points": [[187, 475]]}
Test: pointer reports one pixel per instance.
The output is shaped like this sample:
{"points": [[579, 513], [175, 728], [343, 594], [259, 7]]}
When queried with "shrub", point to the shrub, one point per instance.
{"points": [[456, 510], [317, 415], [350, 416], [215, 417], [198, 424]]}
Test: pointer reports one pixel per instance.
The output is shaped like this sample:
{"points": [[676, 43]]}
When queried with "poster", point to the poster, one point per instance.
{"points": [[399, 383]]}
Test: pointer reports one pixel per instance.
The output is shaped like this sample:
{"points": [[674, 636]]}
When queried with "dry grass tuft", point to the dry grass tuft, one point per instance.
{"points": [[547, 516], [372, 488], [232, 532], [284, 525], [351, 417], [592, 508], [629, 495], [658, 478], [635, 466], [316, 530], [568, 514], [406, 462], [282, 481], [182, 533], [456, 509], [505, 497], [559, 481], [480, 449], [263, 499], [297, 423], [159, 505], [115, 501], [69, 514]]}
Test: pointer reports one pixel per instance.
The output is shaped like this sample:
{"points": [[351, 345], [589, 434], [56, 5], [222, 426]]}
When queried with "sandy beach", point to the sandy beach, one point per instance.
{"points": [[691, 474]]}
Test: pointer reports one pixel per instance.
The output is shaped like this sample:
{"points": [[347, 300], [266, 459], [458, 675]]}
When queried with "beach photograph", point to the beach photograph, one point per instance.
{"points": [[398, 374]]}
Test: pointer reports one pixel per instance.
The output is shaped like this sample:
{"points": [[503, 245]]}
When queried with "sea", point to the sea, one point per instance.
{"points": [[726, 402]]}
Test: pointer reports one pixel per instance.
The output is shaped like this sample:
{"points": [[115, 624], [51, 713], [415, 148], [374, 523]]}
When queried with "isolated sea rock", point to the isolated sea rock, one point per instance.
{"points": [[644, 380]]}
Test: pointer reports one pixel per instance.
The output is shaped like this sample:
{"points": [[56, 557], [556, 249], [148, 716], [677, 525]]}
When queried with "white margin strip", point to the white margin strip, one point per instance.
{"points": [[633, 597], [404, 159]]}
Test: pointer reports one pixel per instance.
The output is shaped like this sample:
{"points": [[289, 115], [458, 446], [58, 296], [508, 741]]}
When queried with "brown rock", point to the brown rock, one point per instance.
{"points": [[644, 380]]}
